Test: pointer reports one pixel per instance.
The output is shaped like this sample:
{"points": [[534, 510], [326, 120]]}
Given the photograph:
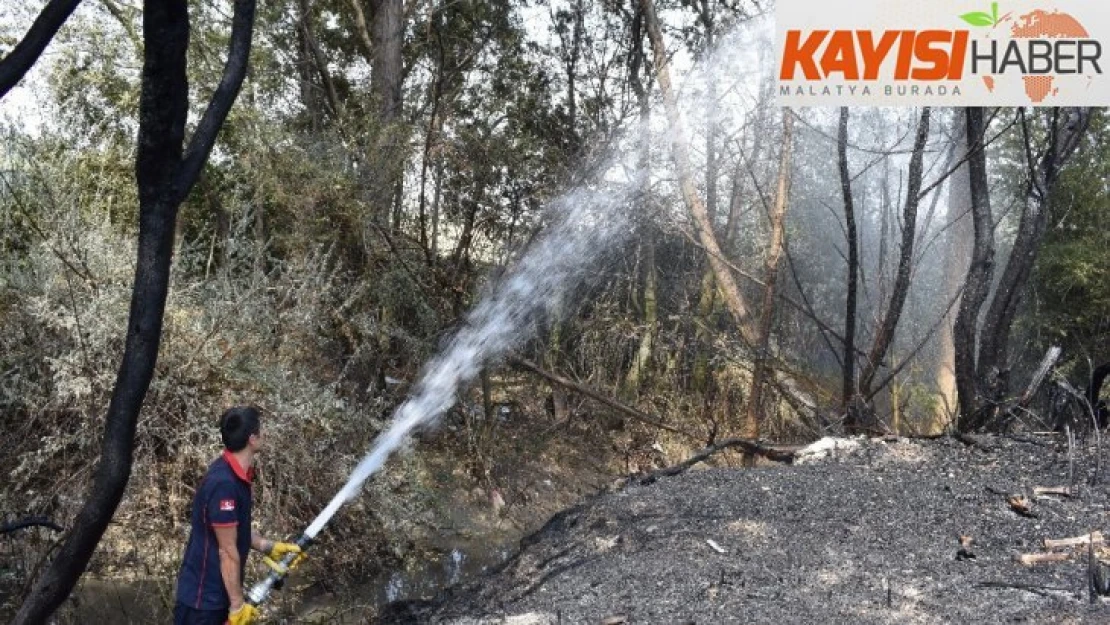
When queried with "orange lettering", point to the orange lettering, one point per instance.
{"points": [[905, 55], [840, 55], [959, 52], [874, 53], [934, 60], [800, 54]]}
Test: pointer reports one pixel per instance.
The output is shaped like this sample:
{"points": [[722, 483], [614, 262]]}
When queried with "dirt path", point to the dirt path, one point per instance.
{"points": [[869, 536]]}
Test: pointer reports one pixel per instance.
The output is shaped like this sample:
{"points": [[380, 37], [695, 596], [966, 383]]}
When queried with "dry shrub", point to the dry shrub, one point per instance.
{"points": [[239, 337]]}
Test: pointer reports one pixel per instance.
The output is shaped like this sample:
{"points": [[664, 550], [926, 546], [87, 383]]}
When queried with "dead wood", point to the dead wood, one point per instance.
{"points": [[778, 454], [1077, 541], [598, 396], [1063, 491], [1030, 559]]}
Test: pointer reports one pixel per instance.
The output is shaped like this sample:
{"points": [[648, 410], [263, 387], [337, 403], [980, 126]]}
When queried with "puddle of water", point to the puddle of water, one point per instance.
{"points": [[427, 579]]}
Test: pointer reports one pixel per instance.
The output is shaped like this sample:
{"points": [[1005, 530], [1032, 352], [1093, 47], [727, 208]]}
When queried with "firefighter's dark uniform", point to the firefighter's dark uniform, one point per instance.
{"points": [[222, 500]]}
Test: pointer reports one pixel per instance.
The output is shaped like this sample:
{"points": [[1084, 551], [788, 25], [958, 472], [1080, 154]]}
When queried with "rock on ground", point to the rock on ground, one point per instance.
{"points": [[868, 533]]}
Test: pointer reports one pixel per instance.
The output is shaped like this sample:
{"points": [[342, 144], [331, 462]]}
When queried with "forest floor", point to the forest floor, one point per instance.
{"points": [[865, 535]]}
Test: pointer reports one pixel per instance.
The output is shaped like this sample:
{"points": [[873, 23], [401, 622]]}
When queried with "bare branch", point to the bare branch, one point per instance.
{"points": [[20, 60]]}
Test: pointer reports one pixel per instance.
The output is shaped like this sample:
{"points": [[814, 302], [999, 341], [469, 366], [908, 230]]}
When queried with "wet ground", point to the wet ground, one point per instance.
{"points": [[868, 535]]}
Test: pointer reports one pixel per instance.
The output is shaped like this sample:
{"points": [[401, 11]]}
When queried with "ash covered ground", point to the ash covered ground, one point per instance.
{"points": [[867, 535]]}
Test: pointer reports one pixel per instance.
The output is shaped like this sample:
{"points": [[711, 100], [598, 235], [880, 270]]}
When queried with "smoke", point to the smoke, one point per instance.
{"points": [[586, 223]]}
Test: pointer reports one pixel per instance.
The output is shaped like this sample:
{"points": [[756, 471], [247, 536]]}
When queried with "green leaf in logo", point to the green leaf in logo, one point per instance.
{"points": [[978, 18]]}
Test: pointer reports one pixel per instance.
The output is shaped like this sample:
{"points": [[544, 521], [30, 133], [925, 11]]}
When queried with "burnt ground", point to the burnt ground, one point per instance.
{"points": [[868, 535]]}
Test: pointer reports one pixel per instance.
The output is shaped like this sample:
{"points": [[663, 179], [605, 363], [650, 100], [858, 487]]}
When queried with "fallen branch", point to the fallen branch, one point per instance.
{"points": [[30, 522], [1029, 559], [1063, 491], [748, 446], [1078, 541], [595, 395]]}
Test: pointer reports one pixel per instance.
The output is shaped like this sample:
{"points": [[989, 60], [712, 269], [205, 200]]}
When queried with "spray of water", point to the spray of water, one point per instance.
{"points": [[586, 222]]}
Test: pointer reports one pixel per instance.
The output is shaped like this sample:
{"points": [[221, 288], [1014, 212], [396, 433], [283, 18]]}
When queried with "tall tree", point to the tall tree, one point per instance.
{"points": [[731, 294], [848, 386], [638, 70], [165, 171], [751, 426], [981, 270], [956, 256], [888, 323], [1064, 130], [386, 78]]}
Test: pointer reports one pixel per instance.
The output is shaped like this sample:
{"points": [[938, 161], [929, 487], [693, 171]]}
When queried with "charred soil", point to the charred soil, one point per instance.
{"points": [[869, 534]]}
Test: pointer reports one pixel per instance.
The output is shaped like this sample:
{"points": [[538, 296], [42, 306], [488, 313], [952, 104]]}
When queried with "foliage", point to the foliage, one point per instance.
{"points": [[1072, 294]]}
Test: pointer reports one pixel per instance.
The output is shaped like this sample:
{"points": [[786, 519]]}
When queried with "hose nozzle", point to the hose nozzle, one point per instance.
{"points": [[261, 591]]}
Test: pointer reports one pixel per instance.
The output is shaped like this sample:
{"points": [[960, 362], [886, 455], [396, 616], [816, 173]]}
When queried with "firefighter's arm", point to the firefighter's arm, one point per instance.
{"points": [[230, 566]]}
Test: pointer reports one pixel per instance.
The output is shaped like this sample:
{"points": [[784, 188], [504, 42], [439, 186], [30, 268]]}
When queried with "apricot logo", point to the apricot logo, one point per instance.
{"points": [[1044, 46], [904, 52]]}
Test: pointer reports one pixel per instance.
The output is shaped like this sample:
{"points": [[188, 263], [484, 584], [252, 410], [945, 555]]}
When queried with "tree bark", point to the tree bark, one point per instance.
{"points": [[164, 174], [707, 300], [956, 258], [848, 386], [980, 272], [751, 426], [386, 80], [730, 292], [19, 61], [641, 361], [893, 313]]}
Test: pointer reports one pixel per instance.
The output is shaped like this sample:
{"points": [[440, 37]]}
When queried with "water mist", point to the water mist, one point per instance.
{"points": [[586, 223]]}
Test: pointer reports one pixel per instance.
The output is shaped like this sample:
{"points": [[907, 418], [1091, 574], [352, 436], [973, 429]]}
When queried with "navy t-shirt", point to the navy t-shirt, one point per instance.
{"points": [[223, 499]]}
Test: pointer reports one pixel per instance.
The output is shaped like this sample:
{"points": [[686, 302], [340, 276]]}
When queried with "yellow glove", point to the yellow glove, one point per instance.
{"points": [[245, 615], [279, 551]]}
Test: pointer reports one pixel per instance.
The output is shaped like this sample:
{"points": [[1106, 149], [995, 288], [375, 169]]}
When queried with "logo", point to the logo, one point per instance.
{"points": [[227, 505], [943, 53]]}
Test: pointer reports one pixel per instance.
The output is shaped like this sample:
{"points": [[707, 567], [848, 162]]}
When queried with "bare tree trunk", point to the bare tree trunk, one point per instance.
{"points": [[642, 359], [893, 313], [164, 174], [641, 362], [435, 123], [730, 292], [848, 387], [707, 298], [956, 257], [980, 272], [1065, 131], [386, 76], [750, 427]]}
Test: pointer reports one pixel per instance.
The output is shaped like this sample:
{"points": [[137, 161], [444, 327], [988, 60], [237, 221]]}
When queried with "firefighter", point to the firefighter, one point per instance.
{"points": [[210, 584]]}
